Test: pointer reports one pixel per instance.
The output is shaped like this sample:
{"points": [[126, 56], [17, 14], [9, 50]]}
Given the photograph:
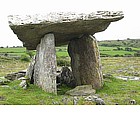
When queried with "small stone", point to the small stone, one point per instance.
{"points": [[65, 100], [25, 87], [99, 101], [91, 98], [55, 103], [15, 75], [107, 75], [132, 102], [23, 84], [94, 98], [23, 78], [5, 86], [75, 100]]}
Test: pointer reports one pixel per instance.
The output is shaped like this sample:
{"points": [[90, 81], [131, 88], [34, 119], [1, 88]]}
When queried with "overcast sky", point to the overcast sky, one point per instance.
{"points": [[129, 27]]}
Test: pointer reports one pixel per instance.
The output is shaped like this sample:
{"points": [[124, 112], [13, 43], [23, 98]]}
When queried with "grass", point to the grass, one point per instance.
{"points": [[120, 53], [11, 65], [13, 51], [15, 95], [62, 54], [115, 91], [121, 66], [120, 92], [62, 51]]}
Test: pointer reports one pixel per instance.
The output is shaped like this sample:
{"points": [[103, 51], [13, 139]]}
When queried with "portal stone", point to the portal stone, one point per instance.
{"points": [[85, 61], [45, 64]]}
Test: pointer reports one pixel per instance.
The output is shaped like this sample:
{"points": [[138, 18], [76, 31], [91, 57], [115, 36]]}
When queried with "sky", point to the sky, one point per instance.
{"points": [[123, 29]]}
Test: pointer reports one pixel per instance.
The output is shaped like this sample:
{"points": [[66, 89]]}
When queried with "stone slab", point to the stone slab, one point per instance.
{"points": [[83, 90], [65, 26]]}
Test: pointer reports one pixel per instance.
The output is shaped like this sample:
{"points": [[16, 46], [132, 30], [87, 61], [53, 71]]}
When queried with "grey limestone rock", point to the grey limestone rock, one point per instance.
{"points": [[133, 102], [91, 98], [23, 84], [95, 99], [66, 77], [85, 61], [99, 101], [30, 70], [15, 75], [83, 90], [75, 100], [4, 81], [65, 26], [45, 65]]}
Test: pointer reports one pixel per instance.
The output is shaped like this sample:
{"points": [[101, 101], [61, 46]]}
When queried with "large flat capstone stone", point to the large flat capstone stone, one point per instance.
{"points": [[65, 26]]}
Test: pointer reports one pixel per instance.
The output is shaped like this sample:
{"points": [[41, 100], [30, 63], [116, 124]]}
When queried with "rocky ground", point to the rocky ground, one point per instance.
{"points": [[115, 91]]}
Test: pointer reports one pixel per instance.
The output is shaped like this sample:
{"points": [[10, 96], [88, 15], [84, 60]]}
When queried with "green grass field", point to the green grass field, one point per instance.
{"points": [[13, 51], [113, 92], [62, 51], [114, 53]]}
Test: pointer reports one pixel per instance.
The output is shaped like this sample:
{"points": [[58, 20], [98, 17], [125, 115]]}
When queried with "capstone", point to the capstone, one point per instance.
{"points": [[65, 26]]}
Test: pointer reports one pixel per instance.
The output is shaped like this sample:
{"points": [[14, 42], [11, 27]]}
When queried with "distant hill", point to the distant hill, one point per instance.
{"points": [[120, 43]]}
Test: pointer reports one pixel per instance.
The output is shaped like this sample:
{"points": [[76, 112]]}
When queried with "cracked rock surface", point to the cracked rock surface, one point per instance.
{"points": [[65, 26]]}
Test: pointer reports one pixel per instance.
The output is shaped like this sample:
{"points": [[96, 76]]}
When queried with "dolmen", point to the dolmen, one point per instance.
{"points": [[45, 32]]}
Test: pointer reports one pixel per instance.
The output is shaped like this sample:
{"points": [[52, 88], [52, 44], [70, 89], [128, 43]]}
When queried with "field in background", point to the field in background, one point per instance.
{"points": [[111, 48], [119, 57]]}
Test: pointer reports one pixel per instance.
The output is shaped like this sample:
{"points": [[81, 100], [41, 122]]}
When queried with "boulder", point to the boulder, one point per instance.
{"points": [[66, 77], [65, 26], [83, 90]]}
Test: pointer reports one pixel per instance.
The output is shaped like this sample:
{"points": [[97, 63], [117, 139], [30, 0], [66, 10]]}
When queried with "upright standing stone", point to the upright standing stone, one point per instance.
{"points": [[85, 61], [45, 66]]}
